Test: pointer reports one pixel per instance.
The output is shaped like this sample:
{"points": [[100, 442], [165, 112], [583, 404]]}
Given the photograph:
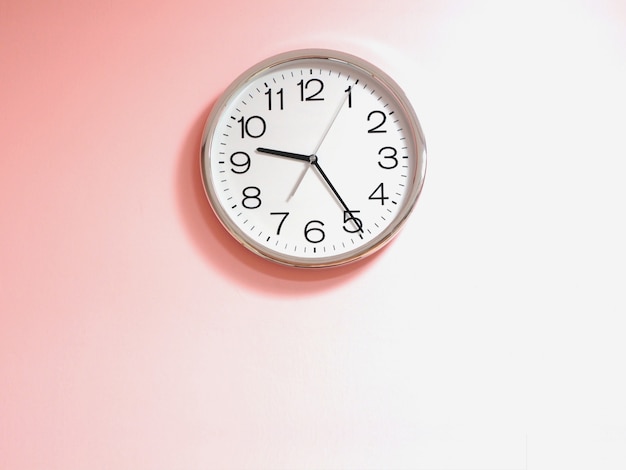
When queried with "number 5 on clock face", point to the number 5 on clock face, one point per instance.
{"points": [[313, 158]]}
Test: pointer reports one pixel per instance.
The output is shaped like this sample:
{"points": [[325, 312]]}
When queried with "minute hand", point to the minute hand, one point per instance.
{"points": [[281, 153], [332, 188]]}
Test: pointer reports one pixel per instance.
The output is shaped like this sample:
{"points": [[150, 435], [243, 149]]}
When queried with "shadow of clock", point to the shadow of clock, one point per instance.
{"points": [[222, 251]]}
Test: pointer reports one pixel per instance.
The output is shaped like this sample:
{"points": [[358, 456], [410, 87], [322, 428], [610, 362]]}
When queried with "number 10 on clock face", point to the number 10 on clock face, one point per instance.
{"points": [[313, 159]]}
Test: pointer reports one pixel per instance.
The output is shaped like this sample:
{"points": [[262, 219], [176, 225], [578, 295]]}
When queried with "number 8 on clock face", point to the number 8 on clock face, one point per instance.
{"points": [[313, 158]]}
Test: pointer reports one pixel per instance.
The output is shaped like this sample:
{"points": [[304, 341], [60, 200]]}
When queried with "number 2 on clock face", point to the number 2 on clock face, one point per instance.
{"points": [[313, 161]]}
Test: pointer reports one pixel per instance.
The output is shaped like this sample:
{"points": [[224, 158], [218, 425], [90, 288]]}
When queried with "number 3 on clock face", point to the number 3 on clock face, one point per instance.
{"points": [[313, 158]]}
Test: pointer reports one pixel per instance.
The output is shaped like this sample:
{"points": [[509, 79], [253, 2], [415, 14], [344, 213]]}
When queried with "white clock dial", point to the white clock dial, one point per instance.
{"points": [[313, 158]]}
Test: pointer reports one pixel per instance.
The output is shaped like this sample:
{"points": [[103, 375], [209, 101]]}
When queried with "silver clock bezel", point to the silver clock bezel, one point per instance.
{"points": [[415, 132]]}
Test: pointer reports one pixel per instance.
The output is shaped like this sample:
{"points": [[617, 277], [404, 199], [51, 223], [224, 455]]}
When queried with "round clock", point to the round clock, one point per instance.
{"points": [[313, 158]]}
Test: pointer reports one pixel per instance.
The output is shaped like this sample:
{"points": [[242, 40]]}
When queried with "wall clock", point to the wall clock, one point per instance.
{"points": [[313, 158]]}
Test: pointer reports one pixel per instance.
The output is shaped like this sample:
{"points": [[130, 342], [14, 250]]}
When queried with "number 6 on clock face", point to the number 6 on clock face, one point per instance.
{"points": [[313, 158]]}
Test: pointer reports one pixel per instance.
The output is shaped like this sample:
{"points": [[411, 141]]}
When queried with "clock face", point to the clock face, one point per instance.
{"points": [[313, 158]]}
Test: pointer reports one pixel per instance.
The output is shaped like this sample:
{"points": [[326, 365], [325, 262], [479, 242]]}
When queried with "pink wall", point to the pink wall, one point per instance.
{"points": [[135, 334]]}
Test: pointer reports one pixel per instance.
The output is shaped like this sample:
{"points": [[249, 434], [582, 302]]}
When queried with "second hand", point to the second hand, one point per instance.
{"points": [[319, 144]]}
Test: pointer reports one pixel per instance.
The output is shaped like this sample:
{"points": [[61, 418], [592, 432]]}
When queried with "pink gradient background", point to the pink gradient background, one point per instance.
{"points": [[135, 334]]}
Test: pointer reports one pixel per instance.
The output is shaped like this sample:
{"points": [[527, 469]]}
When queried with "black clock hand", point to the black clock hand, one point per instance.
{"points": [[315, 163], [312, 159], [281, 153]]}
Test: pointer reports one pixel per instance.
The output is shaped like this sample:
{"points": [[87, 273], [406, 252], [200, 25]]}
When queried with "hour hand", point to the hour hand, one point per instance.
{"points": [[281, 153]]}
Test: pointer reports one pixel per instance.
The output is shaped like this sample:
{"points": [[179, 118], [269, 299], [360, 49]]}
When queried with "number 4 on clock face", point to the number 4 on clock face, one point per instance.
{"points": [[313, 158]]}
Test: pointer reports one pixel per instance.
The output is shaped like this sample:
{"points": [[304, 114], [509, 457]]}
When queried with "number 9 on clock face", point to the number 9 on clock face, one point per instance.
{"points": [[313, 158]]}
